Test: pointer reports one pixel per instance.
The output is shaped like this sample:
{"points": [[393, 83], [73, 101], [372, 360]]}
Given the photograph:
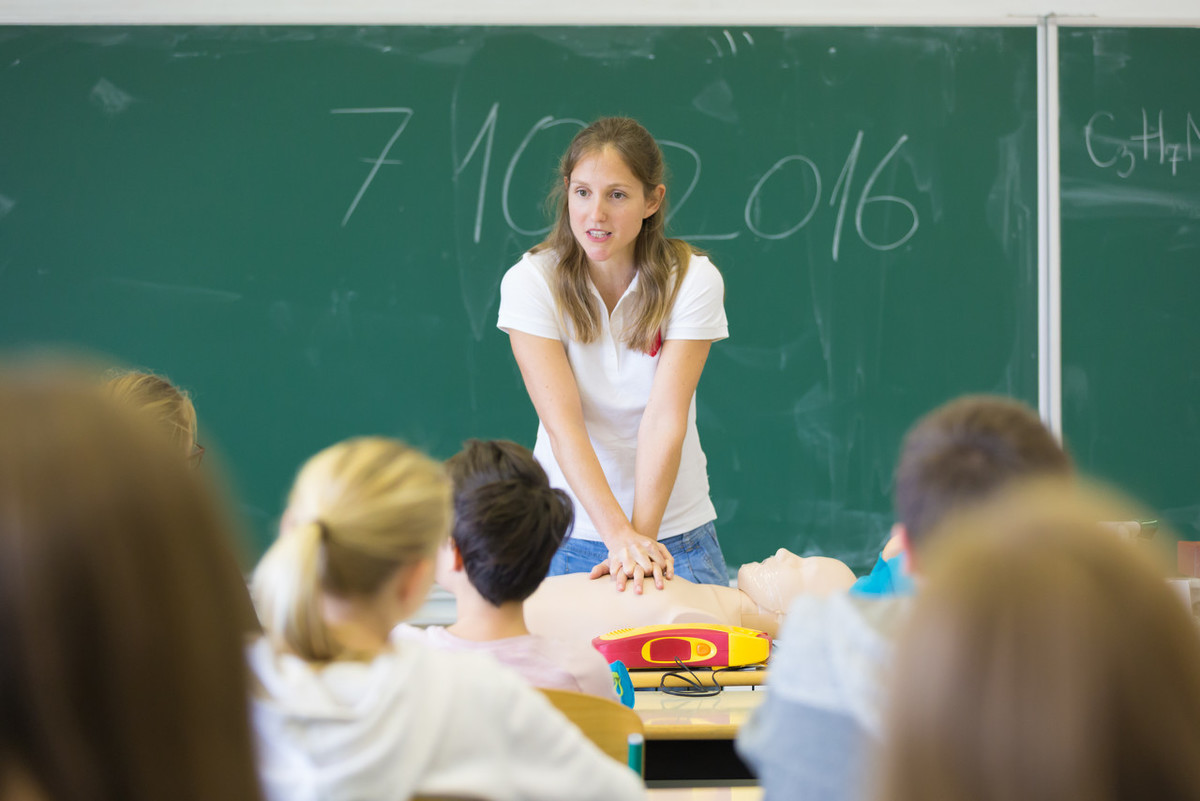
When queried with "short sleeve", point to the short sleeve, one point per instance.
{"points": [[526, 301], [699, 311]]}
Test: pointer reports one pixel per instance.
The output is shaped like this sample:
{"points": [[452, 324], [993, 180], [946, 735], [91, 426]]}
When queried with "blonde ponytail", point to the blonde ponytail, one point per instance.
{"points": [[358, 511], [287, 593]]}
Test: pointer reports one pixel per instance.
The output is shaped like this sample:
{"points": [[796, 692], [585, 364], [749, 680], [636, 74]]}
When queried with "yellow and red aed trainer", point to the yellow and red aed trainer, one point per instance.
{"points": [[694, 645]]}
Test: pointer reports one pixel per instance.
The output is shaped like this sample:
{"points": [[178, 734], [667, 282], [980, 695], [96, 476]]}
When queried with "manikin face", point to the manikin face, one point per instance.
{"points": [[607, 204], [775, 581]]}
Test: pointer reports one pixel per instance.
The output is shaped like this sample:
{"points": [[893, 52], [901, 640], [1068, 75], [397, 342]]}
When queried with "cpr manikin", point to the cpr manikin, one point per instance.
{"points": [[573, 607]]}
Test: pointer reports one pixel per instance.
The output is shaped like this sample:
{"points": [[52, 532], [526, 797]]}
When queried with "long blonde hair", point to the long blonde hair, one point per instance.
{"points": [[661, 263], [159, 401], [358, 511], [1046, 659]]}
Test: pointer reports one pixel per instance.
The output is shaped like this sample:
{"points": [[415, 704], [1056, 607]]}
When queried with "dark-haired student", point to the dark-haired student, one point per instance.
{"points": [[508, 523]]}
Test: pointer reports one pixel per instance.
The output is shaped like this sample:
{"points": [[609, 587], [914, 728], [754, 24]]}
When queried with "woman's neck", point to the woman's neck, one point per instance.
{"points": [[611, 281]]}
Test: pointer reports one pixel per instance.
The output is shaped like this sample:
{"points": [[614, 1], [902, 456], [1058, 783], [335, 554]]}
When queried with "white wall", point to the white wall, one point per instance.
{"points": [[673, 12]]}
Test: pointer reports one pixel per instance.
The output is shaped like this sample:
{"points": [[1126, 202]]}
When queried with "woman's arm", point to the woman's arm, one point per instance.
{"points": [[664, 423], [551, 386]]}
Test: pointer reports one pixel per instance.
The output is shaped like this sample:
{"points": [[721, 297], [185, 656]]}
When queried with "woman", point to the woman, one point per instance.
{"points": [[610, 323]]}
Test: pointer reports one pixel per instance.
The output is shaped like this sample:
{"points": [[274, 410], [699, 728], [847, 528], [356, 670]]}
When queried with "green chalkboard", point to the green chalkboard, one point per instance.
{"points": [[1130, 156], [307, 227]]}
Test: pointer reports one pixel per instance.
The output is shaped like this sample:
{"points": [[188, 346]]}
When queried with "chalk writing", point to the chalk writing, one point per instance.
{"points": [[792, 170], [545, 123], [382, 158], [687, 193], [838, 197], [488, 129], [1108, 151]]}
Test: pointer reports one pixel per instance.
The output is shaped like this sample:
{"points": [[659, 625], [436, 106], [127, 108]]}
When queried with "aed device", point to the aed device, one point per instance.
{"points": [[694, 645]]}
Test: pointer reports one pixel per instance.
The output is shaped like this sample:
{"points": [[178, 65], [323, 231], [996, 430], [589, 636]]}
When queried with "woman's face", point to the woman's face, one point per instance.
{"points": [[607, 204]]}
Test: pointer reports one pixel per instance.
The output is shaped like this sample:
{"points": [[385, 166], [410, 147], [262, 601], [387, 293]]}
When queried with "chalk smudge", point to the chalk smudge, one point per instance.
{"points": [[111, 99]]}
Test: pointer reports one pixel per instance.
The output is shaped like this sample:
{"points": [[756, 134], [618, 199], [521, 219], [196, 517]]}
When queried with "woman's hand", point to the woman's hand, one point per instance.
{"points": [[634, 557]]}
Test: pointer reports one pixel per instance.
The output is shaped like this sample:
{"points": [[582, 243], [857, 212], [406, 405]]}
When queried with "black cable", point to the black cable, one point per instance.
{"points": [[693, 687]]}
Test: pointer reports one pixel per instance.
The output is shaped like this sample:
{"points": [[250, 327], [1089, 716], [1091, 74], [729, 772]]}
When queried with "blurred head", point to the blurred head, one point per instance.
{"points": [[1046, 659], [121, 667], [508, 520], [160, 402], [777, 580], [963, 451], [359, 511]]}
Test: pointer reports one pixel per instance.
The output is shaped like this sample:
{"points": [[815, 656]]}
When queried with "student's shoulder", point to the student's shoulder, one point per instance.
{"points": [[576, 657], [409, 632]]}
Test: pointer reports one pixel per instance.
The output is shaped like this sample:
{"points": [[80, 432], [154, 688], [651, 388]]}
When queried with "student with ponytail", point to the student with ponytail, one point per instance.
{"points": [[343, 709], [508, 522]]}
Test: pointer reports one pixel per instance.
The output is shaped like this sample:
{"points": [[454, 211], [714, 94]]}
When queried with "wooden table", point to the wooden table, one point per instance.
{"points": [[671, 717]]}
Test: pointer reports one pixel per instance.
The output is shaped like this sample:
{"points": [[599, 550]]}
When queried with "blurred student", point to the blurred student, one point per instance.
{"points": [[508, 523], [1045, 659], [169, 411], [122, 676], [810, 739], [164, 405], [345, 710]]}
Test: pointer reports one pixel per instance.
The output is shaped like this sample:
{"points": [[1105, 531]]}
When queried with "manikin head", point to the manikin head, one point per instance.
{"points": [[775, 582]]}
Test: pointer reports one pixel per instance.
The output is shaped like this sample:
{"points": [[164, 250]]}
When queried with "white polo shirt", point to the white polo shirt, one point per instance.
{"points": [[614, 382]]}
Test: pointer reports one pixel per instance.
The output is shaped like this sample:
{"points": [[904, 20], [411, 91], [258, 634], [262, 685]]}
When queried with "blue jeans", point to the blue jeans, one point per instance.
{"points": [[697, 555]]}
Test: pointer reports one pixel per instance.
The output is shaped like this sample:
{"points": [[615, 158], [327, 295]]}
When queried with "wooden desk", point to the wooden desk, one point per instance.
{"points": [[651, 679], [705, 793], [671, 717]]}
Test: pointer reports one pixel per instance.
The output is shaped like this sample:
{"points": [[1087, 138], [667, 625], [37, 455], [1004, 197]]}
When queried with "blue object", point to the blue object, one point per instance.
{"points": [[886, 578], [622, 684]]}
